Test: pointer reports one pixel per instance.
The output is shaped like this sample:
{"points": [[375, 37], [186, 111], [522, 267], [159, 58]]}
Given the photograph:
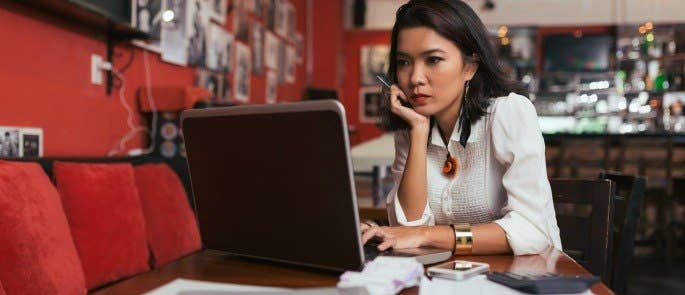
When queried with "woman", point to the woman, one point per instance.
{"points": [[469, 168]]}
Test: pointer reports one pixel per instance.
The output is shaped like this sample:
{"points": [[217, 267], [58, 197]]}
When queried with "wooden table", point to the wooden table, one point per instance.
{"points": [[209, 266]]}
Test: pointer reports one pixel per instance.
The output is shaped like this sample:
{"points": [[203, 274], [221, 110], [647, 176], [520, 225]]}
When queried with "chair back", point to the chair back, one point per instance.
{"points": [[584, 210], [630, 192]]}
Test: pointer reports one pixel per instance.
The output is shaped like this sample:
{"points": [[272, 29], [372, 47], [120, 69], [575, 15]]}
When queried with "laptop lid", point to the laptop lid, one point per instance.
{"points": [[275, 182]]}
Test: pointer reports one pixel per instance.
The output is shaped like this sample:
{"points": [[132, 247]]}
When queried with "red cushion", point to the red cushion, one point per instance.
{"points": [[2, 291], [106, 219], [37, 253], [171, 226]]}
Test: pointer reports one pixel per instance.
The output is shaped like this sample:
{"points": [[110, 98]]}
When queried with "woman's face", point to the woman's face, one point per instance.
{"points": [[431, 71]]}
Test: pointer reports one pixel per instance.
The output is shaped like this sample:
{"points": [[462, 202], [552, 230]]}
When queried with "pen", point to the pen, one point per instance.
{"points": [[383, 80]]}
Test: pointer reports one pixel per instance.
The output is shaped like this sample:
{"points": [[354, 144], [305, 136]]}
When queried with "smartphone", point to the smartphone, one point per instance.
{"points": [[458, 270]]}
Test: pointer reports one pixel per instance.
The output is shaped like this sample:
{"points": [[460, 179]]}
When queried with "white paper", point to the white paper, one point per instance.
{"points": [[183, 285], [475, 285], [384, 275]]}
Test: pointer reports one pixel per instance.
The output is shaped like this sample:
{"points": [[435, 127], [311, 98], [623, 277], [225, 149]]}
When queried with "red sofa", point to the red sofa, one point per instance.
{"points": [[70, 226]]}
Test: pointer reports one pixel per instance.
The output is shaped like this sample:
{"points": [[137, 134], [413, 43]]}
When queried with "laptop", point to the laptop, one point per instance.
{"points": [[275, 182]]}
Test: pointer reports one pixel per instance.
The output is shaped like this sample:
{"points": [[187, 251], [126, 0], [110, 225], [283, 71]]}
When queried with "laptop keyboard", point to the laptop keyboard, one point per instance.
{"points": [[371, 252]]}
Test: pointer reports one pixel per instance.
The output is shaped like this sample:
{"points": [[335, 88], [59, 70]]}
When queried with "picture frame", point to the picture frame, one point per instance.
{"points": [[218, 10], [17, 142], [271, 87], [370, 104], [271, 46], [374, 59], [146, 17], [257, 46], [243, 73]]}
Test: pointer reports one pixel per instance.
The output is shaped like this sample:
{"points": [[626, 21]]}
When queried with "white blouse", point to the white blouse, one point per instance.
{"points": [[501, 178]]}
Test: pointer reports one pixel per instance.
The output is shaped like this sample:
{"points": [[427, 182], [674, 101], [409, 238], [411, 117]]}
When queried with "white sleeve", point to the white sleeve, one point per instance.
{"points": [[529, 220], [395, 213]]}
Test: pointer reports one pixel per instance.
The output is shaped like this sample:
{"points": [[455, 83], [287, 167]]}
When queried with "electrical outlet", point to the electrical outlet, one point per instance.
{"points": [[95, 70]]}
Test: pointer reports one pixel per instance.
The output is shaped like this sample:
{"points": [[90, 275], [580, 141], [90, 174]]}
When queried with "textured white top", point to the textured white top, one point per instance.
{"points": [[502, 177]]}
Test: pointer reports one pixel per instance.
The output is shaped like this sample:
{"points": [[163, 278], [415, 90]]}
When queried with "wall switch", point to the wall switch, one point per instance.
{"points": [[95, 70]]}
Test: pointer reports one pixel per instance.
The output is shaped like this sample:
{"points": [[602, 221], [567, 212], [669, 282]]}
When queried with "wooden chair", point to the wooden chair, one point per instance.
{"points": [[630, 192], [584, 211], [676, 228]]}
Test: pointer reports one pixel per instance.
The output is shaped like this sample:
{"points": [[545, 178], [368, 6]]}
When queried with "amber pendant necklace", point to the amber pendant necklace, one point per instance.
{"points": [[449, 169]]}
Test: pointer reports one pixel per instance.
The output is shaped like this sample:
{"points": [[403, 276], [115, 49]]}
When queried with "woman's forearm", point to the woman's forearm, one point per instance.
{"points": [[412, 192], [488, 238]]}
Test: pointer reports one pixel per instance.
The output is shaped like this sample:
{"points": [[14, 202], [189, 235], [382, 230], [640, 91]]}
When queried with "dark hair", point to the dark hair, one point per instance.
{"points": [[457, 22]]}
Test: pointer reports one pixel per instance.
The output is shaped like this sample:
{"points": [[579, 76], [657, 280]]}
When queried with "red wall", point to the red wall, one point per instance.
{"points": [[45, 81], [354, 40], [327, 33]]}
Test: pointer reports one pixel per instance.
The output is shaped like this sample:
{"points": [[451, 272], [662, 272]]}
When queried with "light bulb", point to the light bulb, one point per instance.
{"points": [[168, 15]]}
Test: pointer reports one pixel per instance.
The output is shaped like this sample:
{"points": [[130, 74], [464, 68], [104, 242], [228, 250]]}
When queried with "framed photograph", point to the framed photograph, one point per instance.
{"points": [[270, 14], [271, 86], [16, 142], [290, 21], [147, 17], [219, 47], [257, 44], [281, 62], [271, 45], [299, 47], [210, 81], [290, 61], [256, 7], [280, 21], [196, 26], [226, 59], [243, 73], [240, 24], [10, 145], [374, 60], [225, 91], [174, 34], [31, 140], [370, 102], [218, 10]]}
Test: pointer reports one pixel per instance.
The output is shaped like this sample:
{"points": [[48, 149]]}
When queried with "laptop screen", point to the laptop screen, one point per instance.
{"points": [[274, 184]]}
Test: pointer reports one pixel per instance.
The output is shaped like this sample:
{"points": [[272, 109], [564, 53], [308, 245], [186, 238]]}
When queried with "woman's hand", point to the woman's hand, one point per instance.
{"points": [[397, 237], [414, 119]]}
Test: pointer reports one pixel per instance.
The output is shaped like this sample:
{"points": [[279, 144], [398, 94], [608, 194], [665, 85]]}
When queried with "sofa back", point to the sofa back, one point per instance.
{"points": [[180, 166]]}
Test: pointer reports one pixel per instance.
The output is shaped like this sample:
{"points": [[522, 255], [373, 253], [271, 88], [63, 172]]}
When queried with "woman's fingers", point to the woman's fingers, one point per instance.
{"points": [[394, 89], [367, 235], [396, 95], [363, 227], [387, 243], [374, 232]]}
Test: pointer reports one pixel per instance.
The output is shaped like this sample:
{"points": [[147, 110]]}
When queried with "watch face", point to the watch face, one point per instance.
{"points": [[169, 131]]}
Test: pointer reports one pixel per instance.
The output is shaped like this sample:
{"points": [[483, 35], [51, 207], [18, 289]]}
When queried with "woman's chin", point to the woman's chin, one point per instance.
{"points": [[425, 110]]}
